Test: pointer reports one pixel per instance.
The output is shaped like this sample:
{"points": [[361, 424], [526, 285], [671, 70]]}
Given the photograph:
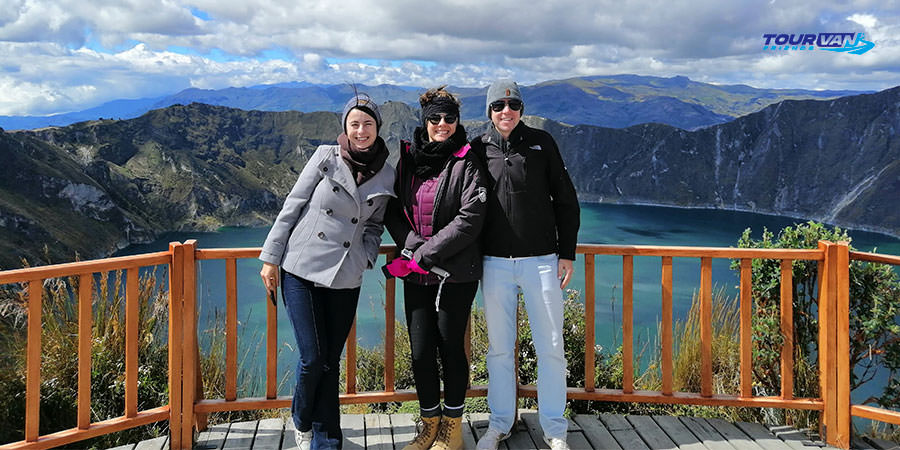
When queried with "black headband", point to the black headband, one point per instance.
{"points": [[440, 105]]}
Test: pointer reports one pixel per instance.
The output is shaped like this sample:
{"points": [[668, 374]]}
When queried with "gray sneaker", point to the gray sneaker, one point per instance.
{"points": [[491, 439], [303, 439], [556, 443]]}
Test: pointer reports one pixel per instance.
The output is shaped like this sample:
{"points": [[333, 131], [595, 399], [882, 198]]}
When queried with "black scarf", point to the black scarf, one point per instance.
{"points": [[366, 162], [429, 158]]}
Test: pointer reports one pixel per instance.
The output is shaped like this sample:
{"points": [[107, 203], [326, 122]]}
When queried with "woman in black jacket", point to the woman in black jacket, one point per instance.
{"points": [[436, 220]]}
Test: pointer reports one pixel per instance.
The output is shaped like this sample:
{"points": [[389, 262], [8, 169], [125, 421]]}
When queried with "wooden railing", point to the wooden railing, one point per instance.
{"points": [[186, 410]]}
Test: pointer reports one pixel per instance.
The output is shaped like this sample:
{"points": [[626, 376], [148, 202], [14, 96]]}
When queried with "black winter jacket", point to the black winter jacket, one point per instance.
{"points": [[532, 206], [459, 211]]}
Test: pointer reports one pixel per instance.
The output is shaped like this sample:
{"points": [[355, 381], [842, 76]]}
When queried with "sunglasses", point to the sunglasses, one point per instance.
{"points": [[435, 119], [514, 105]]}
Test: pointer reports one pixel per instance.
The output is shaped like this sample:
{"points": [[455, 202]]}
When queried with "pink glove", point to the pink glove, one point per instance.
{"points": [[414, 266], [399, 267]]}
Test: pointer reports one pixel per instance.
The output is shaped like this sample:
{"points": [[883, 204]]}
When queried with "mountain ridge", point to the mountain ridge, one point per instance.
{"points": [[616, 101], [95, 186]]}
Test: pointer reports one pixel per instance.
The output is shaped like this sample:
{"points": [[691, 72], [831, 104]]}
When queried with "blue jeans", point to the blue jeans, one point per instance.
{"points": [[321, 318], [535, 276]]}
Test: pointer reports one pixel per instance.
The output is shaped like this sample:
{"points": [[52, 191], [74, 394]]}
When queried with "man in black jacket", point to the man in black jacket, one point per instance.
{"points": [[529, 240]]}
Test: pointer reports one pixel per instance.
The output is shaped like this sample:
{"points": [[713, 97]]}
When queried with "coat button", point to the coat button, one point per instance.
{"points": [[335, 189], [354, 220], [325, 169], [369, 202], [321, 235], [329, 211], [346, 244]]}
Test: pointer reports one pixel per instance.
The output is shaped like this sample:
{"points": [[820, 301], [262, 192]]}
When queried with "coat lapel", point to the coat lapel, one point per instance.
{"points": [[341, 174]]}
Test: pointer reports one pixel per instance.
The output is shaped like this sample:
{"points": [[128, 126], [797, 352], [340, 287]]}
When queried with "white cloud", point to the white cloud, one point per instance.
{"points": [[59, 55]]}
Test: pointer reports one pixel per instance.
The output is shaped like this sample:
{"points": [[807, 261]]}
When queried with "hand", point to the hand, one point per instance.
{"points": [[269, 274], [414, 266], [565, 271], [399, 267]]}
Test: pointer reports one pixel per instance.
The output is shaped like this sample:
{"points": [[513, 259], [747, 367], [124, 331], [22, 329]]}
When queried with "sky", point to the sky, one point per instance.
{"points": [[67, 55]]}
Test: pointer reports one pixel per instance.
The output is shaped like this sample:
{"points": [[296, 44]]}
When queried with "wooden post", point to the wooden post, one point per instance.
{"points": [[85, 324], [590, 339], [787, 329], [231, 328], [351, 358], [627, 324], [746, 328], [33, 361], [271, 350], [389, 334], [834, 343], [842, 322], [666, 325], [189, 336], [132, 300], [706, 327], [176, 329]]}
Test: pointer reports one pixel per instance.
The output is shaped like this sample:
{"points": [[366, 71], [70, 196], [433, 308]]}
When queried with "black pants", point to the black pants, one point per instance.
{"points": [[321, 319], [439, 333]]}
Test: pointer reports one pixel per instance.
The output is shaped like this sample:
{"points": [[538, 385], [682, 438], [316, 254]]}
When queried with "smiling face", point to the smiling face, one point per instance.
{"points": [[361, 129], [506, 120], [440, 131]]}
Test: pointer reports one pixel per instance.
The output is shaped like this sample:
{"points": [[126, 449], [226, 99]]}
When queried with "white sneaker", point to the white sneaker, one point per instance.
{"points": [[556, 443], [303, 439], [491, 439]]}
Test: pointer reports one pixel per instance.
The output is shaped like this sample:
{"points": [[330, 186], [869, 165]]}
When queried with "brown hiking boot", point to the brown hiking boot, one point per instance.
{"points": [[449, 436], [426, 435]]}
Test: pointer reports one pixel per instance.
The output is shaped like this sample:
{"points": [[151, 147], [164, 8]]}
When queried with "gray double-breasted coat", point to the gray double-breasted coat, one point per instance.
{"points": [[329, 229]]}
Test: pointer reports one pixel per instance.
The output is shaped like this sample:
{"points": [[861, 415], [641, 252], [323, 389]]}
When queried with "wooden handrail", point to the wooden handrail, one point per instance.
{"points": [[185, 405]]}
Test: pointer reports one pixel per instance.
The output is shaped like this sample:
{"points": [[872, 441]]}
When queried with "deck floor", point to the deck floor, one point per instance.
{"points": [[387, 432]]}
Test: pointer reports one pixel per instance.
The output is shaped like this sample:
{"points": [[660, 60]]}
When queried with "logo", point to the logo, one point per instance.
{"points": [[853, 43], [482, 194], [536, 147]]}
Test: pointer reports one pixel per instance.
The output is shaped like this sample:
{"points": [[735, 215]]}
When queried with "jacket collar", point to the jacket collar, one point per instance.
{"points": [[494, 138], [335, 168]]}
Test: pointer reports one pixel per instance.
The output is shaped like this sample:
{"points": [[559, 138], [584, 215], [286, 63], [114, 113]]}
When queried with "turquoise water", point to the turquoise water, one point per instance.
{"points": [[600, 224]]}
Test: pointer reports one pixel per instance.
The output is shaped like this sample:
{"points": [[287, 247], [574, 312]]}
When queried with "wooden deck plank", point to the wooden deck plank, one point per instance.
{"points": [[353, 427], [762, 436], [860, 444], [378, 432], [159, 443], [679, 433], [213, 438], [705, 432], [240, 435], [651, 433], [790, 436], [623, 432], [468, 434], [532, 425], [480, 423], [595, 433], [521, 439], [289, 441], [737, 438], [269, 434], [883, 444], [404, 429]]}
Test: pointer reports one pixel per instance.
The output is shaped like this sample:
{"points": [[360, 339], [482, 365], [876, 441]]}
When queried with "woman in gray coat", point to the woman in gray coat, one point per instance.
{"points": [[327, 233]]}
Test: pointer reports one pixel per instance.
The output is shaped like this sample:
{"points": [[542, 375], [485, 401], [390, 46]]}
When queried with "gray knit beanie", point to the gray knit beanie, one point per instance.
{"points": [[500, 89], [364, 103]]}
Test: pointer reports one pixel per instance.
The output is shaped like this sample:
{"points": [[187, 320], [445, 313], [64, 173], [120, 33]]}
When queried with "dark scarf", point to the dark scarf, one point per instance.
{"points": [[429, 158], [364, 163]]}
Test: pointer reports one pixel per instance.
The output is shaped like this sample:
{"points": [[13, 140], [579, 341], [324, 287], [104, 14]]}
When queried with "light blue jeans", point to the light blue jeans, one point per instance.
{"points": [[535, 276]]}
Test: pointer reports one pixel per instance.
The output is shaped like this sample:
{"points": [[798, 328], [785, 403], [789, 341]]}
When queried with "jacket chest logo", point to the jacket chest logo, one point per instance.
{"points": [[536, 147]]}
